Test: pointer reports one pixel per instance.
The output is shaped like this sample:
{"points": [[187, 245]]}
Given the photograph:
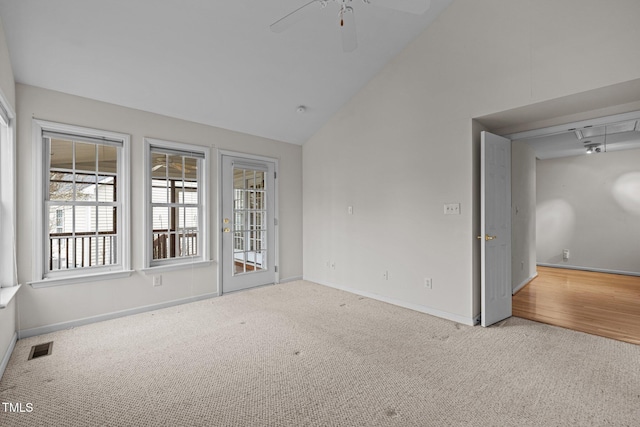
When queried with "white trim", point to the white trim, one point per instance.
{"points": [[26, 333], [203, 188], [291, 279], [7, 107], [7, 354], [416, 307], [8, 198], [536, 133], [70, 280], [39, 181], [594, 269], [276, 206], [524, 283], [7, 294], [177, 266]]}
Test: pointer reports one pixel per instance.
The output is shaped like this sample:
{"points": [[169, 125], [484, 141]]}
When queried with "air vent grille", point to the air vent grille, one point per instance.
{"points": [[41, 350]]}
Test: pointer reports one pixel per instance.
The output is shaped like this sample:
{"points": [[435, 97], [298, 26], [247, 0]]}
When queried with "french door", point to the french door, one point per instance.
{"points": [[247, 223]]}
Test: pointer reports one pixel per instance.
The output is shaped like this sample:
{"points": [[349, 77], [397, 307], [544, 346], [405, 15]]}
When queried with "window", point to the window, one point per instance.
{"points": [[84, 213], [176, 203], [7, 196]]}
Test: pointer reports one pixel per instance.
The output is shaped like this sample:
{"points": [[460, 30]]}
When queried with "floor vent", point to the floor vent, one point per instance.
{"points": [[41, 350]]}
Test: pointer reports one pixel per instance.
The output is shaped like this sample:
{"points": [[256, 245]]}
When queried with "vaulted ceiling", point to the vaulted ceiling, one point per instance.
{"points": [[211, 62]]}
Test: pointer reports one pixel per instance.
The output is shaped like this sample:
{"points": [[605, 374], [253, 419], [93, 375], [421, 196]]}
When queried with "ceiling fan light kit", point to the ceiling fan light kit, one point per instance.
{"points": [[346, 17]]}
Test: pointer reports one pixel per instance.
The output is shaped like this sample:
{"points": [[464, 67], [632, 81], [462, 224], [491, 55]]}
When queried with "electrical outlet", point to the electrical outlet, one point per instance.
{"points": [[350, 210], [157, 280], [385, 275], [452, 209], [428, 283], [565, 254], [333, 265]]}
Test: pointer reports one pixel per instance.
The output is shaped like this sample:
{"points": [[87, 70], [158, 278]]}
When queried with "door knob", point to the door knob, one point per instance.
{"points": [[487, 237]]}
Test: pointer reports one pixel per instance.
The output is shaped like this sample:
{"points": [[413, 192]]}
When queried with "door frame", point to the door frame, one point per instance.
{"points": [[219, 214]]}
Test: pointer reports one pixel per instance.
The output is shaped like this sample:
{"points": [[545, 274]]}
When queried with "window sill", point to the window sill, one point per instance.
{"points": [[7, 294], [59, 281], [172, 267]]}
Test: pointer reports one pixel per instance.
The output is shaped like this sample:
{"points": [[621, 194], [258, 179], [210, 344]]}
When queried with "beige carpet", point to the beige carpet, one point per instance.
{"points": [[301, 354]]}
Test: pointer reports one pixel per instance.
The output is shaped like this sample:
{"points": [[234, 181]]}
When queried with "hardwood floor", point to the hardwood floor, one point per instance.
{"points": [[596, 303]]}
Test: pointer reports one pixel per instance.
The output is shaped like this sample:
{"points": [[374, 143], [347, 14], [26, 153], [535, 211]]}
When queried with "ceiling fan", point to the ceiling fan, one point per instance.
{"points": [[346, 18]]}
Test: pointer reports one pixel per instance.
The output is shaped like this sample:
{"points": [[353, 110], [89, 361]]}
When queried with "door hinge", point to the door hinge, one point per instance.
{"points": [[276, 268], [275, 221], [275, 175]]}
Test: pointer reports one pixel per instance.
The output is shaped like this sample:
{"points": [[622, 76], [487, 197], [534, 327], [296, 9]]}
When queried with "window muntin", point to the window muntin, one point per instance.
{"points": [[176, 205], [82, 210], [250, 220]]}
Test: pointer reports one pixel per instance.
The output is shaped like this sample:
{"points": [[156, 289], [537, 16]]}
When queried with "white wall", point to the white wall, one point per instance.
{"points": [[47, 306], [591, 206], [523, 214], [7, 87], [402, 147]]}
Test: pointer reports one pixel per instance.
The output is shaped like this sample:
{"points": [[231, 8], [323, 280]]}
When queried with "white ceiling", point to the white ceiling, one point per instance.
{"points": [[208, 61]]}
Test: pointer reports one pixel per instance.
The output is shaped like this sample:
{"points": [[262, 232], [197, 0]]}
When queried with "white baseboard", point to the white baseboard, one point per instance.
{"points": [[7, 354], [524, 283], [291, 279], [597, 270], [416, 307], [26, 333]]}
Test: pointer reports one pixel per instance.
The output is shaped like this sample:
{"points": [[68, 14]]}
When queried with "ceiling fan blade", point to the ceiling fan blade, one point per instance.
{"points": [[417, 7], [348, 30], [297, 15]]}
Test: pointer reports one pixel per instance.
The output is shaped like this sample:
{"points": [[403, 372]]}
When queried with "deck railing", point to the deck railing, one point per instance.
{"points": [[172, 245], [69, 251]]}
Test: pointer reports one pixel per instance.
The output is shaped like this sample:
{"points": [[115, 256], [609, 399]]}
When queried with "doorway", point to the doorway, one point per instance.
{"points": [[249, 221], [567, 234], [511, 124]]}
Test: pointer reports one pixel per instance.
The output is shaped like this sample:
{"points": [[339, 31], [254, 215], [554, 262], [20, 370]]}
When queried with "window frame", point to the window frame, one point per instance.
{"points": [[202, 259], [8, 273], [122, 268]]}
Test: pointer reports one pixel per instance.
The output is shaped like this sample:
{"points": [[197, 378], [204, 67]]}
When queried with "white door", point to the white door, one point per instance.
{"points": [[247, 223], [495, 228]]}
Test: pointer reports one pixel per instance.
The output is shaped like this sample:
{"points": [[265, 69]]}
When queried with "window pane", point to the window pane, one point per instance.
{"points": [[60, 186], [85, 219], [239, 262], [259, 180], [107, 219], [160, 218], [159, 191], [60, 219], [61, 154], [191, 218], [107, 159], [160, 245], [190, 169], [175, 167], [85, 156], [238, 241], [106, 188], [85, 187], [158, 165], [189, 244]]}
